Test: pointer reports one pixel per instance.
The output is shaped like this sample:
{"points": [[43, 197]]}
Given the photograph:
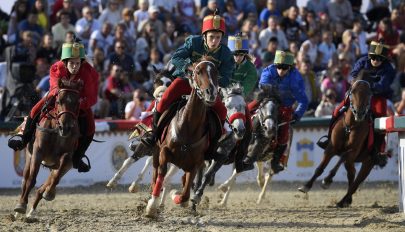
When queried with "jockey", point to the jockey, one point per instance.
{"points": [[245, 71], [287, 79], [209, 43], [382, 72], [72, 66]]}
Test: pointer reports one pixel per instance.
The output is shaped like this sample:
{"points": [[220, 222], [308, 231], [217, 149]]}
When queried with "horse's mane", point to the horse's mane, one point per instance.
{"points": [[235, 89], [267, 92], [67, 84]]}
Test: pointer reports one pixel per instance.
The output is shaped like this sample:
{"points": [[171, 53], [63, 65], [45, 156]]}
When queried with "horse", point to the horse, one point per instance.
{"points": [[349, 140], [55, 140], [264, 139], [236, 118], [186, 139]]}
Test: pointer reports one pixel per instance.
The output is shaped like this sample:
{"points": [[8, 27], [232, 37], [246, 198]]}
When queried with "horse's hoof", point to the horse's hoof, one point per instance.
{"points": [[20, 208], [48, 196], [196, 199], [326, 184], [304, 189], [111, 184], [223, 188], [134, 188], [151, 210]]}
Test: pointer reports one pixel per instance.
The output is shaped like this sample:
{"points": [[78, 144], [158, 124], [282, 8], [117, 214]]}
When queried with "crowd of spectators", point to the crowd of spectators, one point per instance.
{"points": [[124, 39]]}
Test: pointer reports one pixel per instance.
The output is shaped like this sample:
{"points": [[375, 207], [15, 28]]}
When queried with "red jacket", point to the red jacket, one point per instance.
{"points": [[89, 76]]}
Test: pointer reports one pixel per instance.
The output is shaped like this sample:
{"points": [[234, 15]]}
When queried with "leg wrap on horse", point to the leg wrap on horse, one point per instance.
{"points": [[158, 186]]}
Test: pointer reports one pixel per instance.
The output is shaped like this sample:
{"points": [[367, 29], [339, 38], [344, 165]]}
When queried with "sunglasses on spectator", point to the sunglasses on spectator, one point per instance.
{"points": [[282, 66], [238, 54], [376, 58], [120, 47]]}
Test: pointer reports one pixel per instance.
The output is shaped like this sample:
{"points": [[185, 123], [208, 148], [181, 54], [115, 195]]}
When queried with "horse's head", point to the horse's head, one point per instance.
{"points": [[236, 106], [205, 80], [163, 76], [268, 110], [360, 97], [67, 106]]}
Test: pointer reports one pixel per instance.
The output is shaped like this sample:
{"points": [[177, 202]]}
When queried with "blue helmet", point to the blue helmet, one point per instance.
{"points": [[238, 44]]}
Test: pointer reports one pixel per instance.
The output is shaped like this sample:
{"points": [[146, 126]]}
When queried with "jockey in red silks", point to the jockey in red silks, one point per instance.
{"points": [[290, 85], [382, 72], [72, 66], [209, 43]]}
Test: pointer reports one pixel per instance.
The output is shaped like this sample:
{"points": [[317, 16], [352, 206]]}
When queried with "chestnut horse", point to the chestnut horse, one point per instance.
{"points": [[349, 140], [56, 139], [187, 138]]}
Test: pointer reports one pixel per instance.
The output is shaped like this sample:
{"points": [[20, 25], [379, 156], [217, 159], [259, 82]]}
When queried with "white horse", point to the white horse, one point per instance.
{"points": [[262, 144]]}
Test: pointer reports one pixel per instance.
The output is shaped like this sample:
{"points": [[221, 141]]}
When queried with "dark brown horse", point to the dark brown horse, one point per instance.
{"points": [[56, 139], [349, 140], [187, 137]]}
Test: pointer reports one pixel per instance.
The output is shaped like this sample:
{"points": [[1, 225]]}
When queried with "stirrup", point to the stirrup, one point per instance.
{"points": [[323, 144], [16, 144]]}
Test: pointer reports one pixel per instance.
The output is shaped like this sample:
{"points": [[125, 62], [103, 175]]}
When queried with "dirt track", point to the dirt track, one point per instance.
{"points": [[375, 208]]}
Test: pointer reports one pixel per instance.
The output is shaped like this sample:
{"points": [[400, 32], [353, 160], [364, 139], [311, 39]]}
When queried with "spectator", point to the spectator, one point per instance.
{"points": [[273, 31], [102, 39], [141, 14], [67, 6], [349, 46], [30, 24], [327, 104], [120, 34], [318, 6], [43, 17], [19, 12], [337, 82], [250, 30], [116, 93], [327, 48], [209, 9], [341, 11], [134, 108], [153, 20], [290, 25], [86, 25], [121, 58], [360, 36], [166, 42], [311, 86], [284, 5], [271, 47], [111, 14], [144, 43], [310, 48], [60, 29], [69, 38], [128, 22], [387, 33], [232, 18], [46, 49], [186, 15], [269, 10]]}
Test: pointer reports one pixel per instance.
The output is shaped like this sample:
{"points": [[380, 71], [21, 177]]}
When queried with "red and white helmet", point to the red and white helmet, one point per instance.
{"points": [[213, 23]]}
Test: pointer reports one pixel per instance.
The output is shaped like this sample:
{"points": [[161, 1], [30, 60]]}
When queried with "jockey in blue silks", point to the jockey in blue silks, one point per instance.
{"points": [[287, 79]]}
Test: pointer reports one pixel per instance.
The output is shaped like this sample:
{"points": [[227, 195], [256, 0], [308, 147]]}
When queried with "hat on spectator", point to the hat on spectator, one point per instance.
{"points": [[213, 23], [72, 50], [153, 9], [378, 49], [283, 57], [238, 44], [212, 1]]}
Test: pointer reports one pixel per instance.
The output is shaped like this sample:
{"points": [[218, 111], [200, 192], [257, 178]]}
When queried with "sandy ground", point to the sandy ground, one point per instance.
{"points": [[374, 208]]}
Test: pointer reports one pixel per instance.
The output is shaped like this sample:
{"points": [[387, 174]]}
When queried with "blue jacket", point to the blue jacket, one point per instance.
{"points": [[291, 87], [194, 48], [383, 75]]}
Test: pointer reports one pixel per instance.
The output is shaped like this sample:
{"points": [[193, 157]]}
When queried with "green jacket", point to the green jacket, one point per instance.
{"points": [[194, 48], [246, 75]]}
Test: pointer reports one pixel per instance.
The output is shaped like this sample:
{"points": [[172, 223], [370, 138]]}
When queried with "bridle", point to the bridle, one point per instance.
{"points": [[352, 107], [59, 114], [200, 91]]}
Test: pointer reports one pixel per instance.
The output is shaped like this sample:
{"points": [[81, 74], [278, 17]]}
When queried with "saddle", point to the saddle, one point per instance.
{"points": [[214, 126]]}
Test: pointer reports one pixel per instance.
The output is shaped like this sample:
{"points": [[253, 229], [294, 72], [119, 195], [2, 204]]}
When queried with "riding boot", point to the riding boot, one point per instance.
{"points": [[214, 141], [150, 139], [275, 162], [19, 141], [79, 154], [323, 144], [378, 153]]}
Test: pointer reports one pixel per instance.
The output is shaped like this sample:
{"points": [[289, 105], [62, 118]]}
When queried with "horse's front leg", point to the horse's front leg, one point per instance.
{"points": [[117, 176], [329, 179], [183, 198], [226, 187], [21, 207], [134, 187], [172, 170], [159, 172], [260, 174], [56, 175], [267, 180], [327, 156]]}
